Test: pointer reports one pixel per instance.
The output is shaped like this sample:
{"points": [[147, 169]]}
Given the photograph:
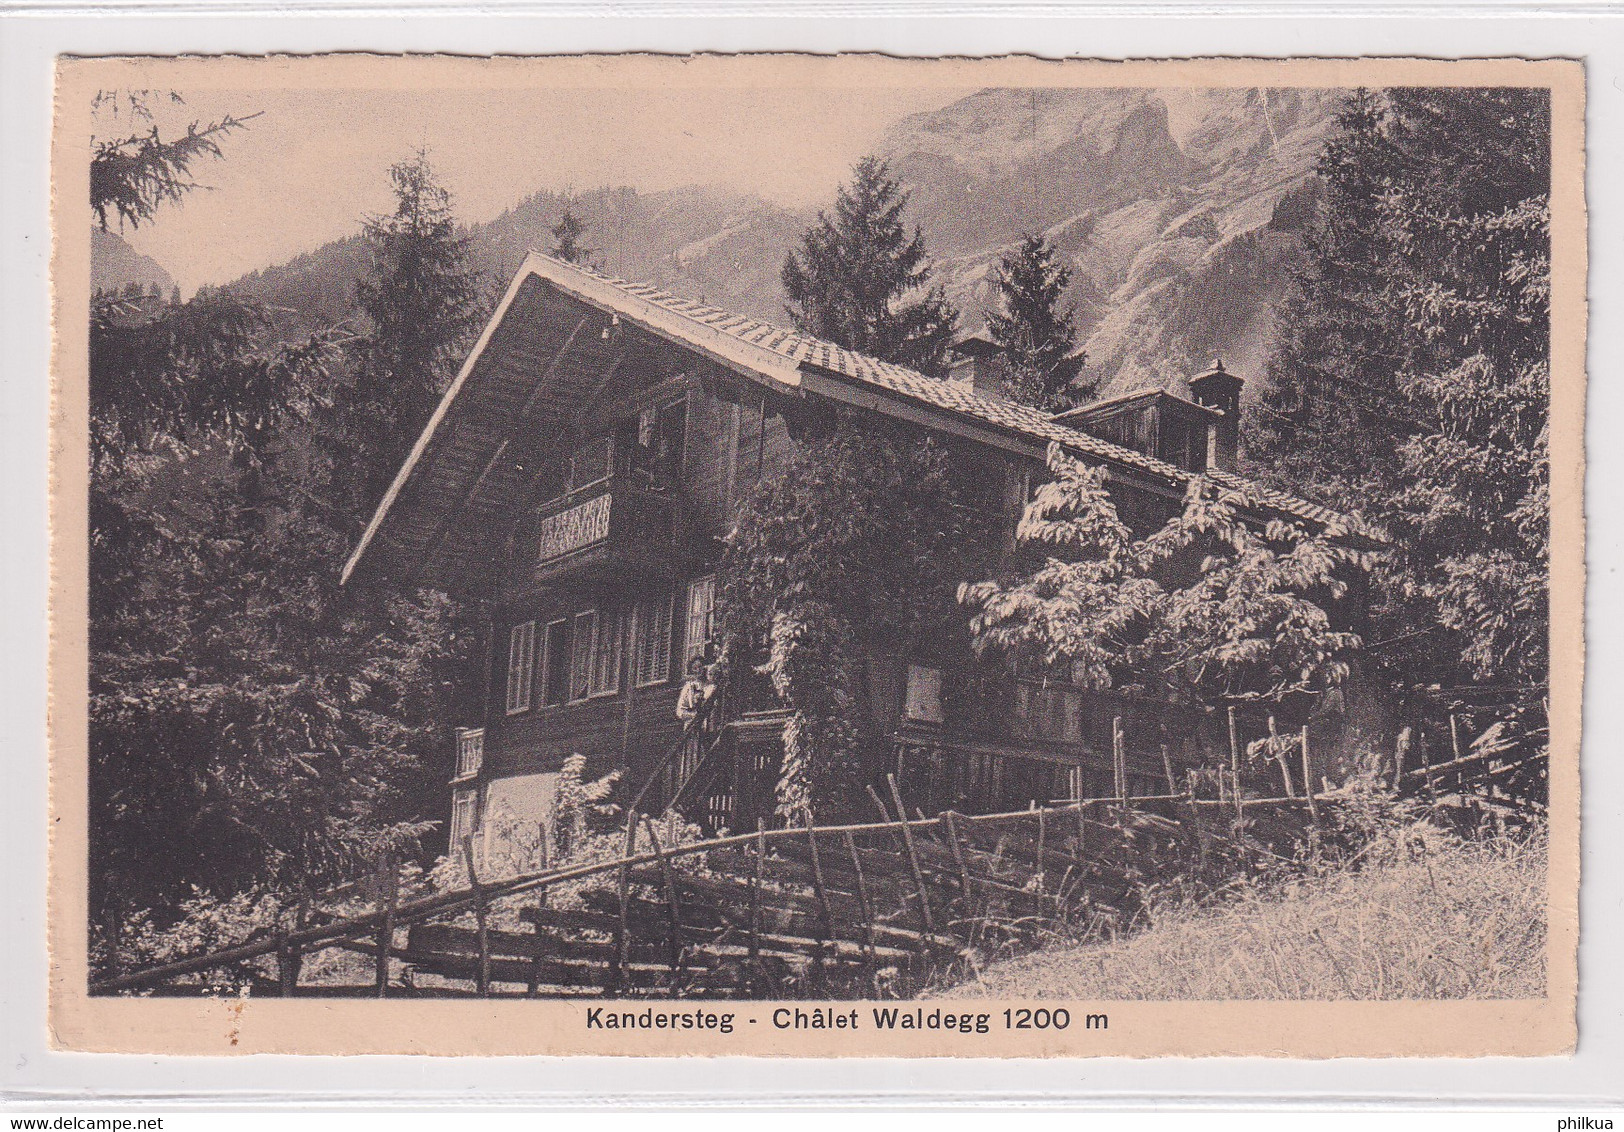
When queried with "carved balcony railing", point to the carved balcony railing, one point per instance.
{"points": [[470, 752], [612, 526]]}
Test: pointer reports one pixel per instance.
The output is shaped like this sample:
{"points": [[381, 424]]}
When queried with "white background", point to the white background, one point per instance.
{"points": [[29, 37]]}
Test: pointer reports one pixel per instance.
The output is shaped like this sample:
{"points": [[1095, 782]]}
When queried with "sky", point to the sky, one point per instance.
{"points": [[314, 163]]}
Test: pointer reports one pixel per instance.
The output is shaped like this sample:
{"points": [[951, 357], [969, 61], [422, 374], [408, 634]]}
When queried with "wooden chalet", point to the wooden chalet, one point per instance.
{"points": [[580, 475]]}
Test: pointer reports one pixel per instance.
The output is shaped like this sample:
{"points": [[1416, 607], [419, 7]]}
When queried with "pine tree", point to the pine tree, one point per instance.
{"points": [[1039, 363], [1331, 401], [424, 304], [567, 235], [860, 280]]}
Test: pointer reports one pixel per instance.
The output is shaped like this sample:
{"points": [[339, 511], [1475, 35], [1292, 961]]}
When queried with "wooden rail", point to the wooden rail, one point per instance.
{"points": [[858, 909], [885, 886]]}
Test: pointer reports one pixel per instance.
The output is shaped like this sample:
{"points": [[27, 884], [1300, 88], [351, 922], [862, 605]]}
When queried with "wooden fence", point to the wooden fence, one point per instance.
{"points": [[830, 911], [858, 910]]}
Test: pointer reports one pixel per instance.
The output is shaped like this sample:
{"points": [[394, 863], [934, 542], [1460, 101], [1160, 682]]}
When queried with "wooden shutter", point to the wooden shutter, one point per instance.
{"points": [[653, 648], [521, 666]]}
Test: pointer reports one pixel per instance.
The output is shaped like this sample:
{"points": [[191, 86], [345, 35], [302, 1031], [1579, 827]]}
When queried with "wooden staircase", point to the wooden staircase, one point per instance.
{"points": [[719, 773]]}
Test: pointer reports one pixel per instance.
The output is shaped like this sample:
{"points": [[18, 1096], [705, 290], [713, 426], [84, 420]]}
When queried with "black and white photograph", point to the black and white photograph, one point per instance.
{"points": [[745, 554]]}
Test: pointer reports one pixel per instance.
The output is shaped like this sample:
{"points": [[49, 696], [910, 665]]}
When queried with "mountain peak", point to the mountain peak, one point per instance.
{"points": [[115, 265]]}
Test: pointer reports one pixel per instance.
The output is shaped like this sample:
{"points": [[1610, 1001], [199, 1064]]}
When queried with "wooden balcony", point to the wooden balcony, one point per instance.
{"points": [[611, 528]]}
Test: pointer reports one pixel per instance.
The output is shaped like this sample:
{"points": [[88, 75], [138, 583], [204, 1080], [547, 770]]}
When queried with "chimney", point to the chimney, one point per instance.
{"points": [[975, 364], [1220, 390]]}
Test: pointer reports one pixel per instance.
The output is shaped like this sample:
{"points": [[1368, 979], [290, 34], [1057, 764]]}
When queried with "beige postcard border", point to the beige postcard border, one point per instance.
{"points": [[1137, 1029]]}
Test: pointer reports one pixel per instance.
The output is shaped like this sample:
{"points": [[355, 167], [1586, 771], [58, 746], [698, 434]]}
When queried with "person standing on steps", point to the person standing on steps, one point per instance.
{"points": [[696, 689]]}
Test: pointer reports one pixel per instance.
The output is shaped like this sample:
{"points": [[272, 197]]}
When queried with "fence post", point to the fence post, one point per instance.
{"points": [[1195, 813], [950, 819], [290, 957], [1119, 762], [674, 906], [1426, 767], [755, 894], [287, 967], [389, 879], [1167, 766], [868, 913], [822, 893], [624, 891], [1308, 781], [1043, 863], [913, 856], [482, 980], [1280, 758], [1401, 751], [1234, 748], [533, 989]]}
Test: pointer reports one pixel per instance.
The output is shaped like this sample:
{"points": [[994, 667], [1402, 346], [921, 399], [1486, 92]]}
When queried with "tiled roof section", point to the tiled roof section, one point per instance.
{"points": [[1334, 520], [953, 396]]}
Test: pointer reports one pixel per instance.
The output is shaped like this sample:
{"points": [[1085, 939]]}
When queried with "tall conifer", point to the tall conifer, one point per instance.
{"points": [[1412, 381], [567, 234], [861, 280], [1037, 334], [423, 304]]}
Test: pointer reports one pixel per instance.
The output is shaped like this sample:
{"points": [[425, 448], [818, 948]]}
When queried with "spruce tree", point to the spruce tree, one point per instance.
{"points": [[423, 304], [134, 173], [1411, 380], [1039, 363], [567, 235], [253, 726], [859, 279], [1331, 401]]}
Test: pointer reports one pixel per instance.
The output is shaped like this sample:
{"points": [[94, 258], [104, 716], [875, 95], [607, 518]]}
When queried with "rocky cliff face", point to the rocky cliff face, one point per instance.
{"points": [[1180, 213]]}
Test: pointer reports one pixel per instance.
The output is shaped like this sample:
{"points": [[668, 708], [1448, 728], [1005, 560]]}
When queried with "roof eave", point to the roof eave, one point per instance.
{"points": [[735, 354]]}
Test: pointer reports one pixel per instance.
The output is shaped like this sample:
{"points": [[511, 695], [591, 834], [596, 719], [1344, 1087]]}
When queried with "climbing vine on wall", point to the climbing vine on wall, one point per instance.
{"points": [[852, 550]]}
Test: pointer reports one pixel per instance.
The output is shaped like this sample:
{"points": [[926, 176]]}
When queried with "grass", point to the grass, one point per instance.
{"points": [[1422, 915]]}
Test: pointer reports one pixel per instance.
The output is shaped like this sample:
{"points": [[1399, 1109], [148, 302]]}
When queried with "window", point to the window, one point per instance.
{"points": [[521, 666], [923, 702], [592, 462], [606, 655], [661, 433], [555, 664], [651, 657], [1018, 487], [470, 751], [1050, 710], [585, 636], [464, 816], [700, 628]]}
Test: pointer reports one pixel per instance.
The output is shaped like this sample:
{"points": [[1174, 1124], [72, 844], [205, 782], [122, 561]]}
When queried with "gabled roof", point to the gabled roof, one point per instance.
{"points": [[778, 359], [1093, 408]]}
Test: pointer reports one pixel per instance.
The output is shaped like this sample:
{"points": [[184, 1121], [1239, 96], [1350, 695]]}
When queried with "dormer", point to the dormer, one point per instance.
{"points": [[1151, 421]]}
